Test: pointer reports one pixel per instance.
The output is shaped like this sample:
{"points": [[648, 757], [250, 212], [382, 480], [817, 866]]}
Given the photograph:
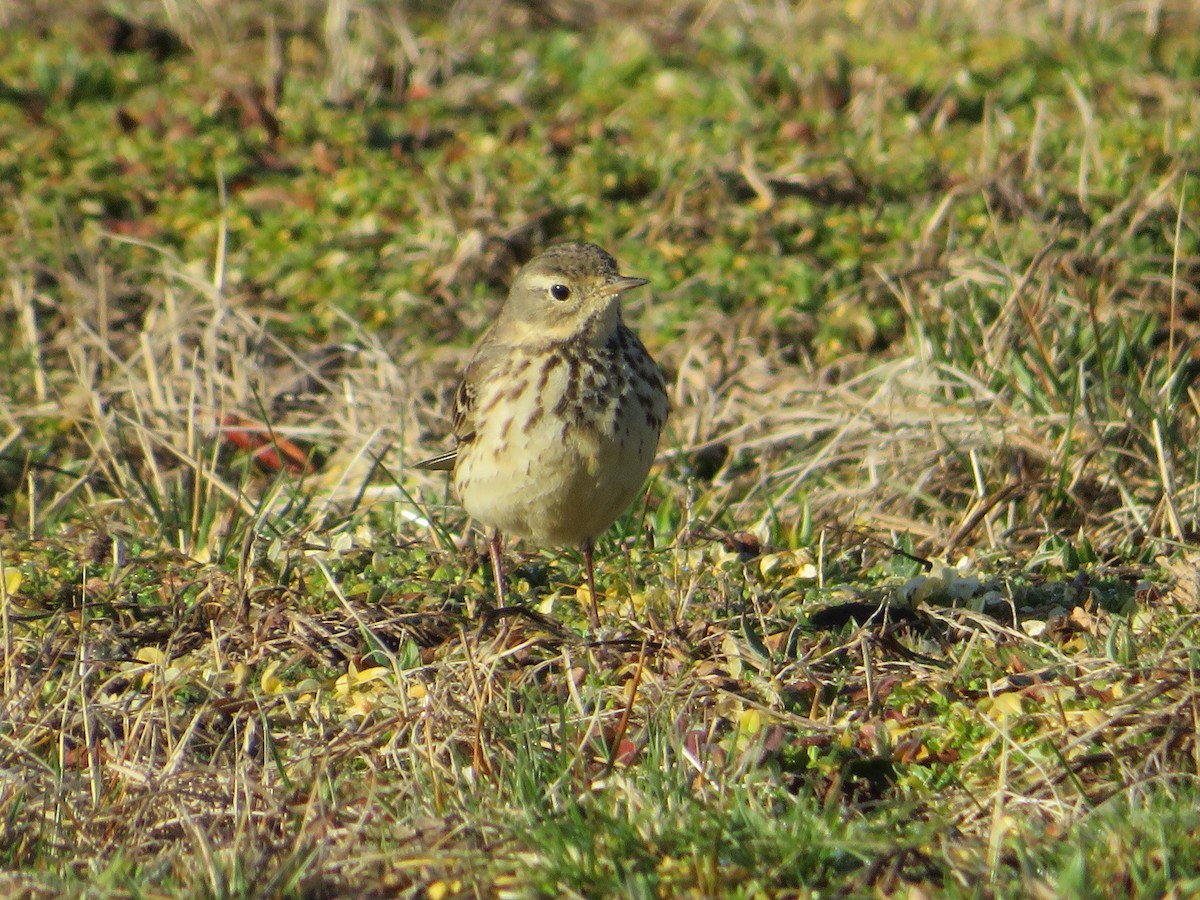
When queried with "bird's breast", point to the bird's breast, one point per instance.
{"points": [[564, 439]]}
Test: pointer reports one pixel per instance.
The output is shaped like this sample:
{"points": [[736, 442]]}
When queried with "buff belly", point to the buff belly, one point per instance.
{"points": [[557, 479]]}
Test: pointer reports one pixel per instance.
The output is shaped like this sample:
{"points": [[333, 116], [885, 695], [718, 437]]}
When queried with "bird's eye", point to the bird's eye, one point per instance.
{"points": [[560, 291]]}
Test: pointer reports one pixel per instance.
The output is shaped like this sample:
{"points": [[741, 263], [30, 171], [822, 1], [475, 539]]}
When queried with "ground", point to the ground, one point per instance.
{"points": [[909, 605]]}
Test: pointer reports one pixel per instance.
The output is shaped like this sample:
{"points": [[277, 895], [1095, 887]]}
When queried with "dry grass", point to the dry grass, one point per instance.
{"points": [[230, 677]]}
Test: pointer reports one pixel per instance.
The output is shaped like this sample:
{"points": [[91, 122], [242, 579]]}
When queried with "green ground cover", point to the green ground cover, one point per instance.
{"points": [[910, 606]]}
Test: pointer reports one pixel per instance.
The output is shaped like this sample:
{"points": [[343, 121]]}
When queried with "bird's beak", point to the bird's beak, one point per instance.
{"points": [[623, 284]]}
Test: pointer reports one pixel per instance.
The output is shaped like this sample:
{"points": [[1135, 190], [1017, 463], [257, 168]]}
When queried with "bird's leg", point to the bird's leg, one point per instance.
{"points": [[589, 547], [495, 549]]}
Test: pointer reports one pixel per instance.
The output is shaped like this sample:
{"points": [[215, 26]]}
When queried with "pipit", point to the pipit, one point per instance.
{"points": [[558, 415]]}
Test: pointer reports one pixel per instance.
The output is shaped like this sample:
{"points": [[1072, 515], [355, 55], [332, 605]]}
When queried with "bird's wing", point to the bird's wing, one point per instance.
{"points": [[463, 418], [443, 462]]}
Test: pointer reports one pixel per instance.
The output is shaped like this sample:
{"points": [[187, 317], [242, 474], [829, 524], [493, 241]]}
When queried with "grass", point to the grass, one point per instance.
{"points": [[909, 605]]}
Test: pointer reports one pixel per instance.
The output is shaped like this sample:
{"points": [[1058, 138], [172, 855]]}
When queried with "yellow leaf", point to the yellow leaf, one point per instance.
{"points": [[583, 597], [151, 655], [356, 678], [1033, 627], [345, 683], [12, 581], [361, 706], [238, 678], [750, 721], [1007, 704], [733, 655], [1076, 644], [1094, 718], [269, 683], [768, 563]]}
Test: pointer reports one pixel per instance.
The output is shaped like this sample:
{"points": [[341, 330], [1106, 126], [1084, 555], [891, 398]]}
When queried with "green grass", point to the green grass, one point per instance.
{"points": [[909, 603]]}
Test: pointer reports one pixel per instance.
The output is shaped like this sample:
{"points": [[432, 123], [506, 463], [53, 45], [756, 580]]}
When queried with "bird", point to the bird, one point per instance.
{"points": [[558, 415]]}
